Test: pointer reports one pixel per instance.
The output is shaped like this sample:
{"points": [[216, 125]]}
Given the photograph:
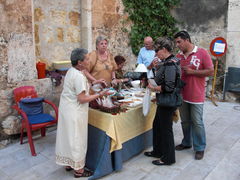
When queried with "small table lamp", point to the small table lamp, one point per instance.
{"points": [[141, 68]]}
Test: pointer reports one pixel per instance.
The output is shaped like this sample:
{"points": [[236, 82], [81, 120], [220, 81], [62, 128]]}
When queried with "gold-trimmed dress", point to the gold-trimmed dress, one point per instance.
{"points": [[101, 69]]}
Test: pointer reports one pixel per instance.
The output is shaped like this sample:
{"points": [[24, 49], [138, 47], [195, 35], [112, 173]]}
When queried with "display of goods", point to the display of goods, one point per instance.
{"points": [[112, 110], [117, 98], [93, 104]]}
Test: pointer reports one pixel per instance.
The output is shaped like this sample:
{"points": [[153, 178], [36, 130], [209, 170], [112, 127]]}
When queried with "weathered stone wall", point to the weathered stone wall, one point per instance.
{"points": [[107, 17], [17, 61], [16, 51], [233, 34], [15, 22], [204, 20], [57, 29]]}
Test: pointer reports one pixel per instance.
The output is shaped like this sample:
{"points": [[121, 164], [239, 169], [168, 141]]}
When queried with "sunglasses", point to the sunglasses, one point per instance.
{"points": [[156, 50]]}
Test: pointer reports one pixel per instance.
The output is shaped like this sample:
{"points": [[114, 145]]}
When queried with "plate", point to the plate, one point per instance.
{"points": [[96, 87]]}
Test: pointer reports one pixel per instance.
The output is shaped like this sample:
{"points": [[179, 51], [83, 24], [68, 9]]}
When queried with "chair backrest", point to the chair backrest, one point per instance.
{"points": [[232, 81], [24, 92]]}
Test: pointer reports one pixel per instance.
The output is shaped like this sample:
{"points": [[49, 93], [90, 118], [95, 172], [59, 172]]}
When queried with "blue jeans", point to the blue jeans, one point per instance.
{"points": [[192, 126]]}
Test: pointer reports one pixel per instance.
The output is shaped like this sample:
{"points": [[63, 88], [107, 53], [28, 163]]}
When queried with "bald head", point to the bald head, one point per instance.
{"points": [[148, 43]]}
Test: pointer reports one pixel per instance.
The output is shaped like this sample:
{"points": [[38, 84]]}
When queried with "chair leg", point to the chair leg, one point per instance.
{"points": [[43, 132], [30, 141], [21, 137]]}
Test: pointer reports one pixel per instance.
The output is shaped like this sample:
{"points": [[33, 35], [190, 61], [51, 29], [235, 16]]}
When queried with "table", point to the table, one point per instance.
{"points": [[113, 139]]}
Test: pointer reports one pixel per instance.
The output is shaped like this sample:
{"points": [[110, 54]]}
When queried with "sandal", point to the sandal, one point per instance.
{"points": [[87, 169], [85, 173], [68, 168]]}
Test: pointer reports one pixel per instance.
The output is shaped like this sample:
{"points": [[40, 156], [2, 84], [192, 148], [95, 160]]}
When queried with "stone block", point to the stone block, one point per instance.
{"points": [[38, 14], [48, 34], [21, 58], [5, 102], [11, 125], [97, 5], [73, 34], [233, 49], [60, 34], [233, 15], [74, 18], [109, 6], [59, 17], [36, 33], [3, 64], [97, 19], [37, 50], [16, 16], [5, 108], [109, 20]]}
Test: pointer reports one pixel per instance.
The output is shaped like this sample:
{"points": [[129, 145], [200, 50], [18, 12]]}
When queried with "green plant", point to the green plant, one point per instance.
{"points": [[149, 18]]}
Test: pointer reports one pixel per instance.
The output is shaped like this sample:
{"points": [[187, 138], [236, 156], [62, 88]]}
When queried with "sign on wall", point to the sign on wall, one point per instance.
{"points": [[218, 47]]}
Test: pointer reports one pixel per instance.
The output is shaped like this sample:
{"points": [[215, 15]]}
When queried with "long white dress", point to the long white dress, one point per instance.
{"points": [[71, 142]]}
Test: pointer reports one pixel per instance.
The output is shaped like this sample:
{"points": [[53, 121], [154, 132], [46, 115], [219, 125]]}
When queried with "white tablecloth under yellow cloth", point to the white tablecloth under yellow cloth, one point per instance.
{"points": [[124, 126]]}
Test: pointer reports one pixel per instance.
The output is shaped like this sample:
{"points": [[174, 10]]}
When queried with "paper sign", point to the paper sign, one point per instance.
{"points": [[219, 47]]}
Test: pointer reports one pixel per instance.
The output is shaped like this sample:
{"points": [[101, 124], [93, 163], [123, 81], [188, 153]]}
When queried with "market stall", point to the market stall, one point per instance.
{"points": [[113, 139]]}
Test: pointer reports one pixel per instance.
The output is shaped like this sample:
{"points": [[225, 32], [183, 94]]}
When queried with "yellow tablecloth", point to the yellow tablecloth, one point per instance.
{"points": [[124, 126]]}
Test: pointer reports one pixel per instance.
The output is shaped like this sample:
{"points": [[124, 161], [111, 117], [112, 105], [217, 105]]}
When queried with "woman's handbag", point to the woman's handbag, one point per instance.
{"points": [[173, 99]]}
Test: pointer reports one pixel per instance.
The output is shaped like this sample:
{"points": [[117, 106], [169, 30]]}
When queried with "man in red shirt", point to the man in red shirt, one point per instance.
{"points": [[196, 64]]}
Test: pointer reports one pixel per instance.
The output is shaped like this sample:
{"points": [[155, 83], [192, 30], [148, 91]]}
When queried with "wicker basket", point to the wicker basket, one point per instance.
{"points": [[112, 110], [93, 104]]}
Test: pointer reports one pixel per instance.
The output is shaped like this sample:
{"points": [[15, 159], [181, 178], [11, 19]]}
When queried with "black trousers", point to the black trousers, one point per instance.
{"points": [[163, 140]]}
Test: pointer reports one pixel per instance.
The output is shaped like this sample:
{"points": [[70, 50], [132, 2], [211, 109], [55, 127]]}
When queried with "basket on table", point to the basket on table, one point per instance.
{"points": [[113, 110]]}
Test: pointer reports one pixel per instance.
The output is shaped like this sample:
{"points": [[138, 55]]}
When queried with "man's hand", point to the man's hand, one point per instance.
{"points": [[187, 70], [114, 82]]}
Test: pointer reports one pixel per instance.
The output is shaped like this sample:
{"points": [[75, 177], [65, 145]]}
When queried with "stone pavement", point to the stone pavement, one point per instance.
{"points": [[221, 160]]}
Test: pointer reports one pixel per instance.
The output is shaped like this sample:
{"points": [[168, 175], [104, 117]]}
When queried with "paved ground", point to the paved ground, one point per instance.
{"points": [[221, 161]]}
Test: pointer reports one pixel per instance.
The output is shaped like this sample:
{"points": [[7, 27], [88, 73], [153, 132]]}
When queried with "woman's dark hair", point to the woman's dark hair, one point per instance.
{"points": [[78, 54], [119, 59], [183, 35], [163, 42]]}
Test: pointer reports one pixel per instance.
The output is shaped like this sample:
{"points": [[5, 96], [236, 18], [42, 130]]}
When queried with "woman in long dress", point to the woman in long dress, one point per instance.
{"points": [[71, 143]]}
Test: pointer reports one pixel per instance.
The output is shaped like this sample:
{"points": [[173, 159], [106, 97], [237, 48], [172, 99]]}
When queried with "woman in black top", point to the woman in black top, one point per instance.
{"points": [[165, 77]]}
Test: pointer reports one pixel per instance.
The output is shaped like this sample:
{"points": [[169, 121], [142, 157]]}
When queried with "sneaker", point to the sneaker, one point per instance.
{"points": [[181, 147], [199, 155]]}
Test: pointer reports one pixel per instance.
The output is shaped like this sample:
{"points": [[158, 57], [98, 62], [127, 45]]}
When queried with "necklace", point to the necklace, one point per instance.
{"points": [[103, 59], [106, 65]]}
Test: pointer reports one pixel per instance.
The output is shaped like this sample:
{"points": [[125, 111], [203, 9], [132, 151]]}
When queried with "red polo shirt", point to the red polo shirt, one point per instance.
{"points": [[194, 90]]}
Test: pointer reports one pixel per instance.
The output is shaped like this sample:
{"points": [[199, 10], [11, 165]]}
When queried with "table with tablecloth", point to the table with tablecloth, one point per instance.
{"points": [[113, 139]]}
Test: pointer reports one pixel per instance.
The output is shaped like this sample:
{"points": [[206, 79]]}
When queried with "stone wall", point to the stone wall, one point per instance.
{"points": [[16, 51], [17, 61], [204, 20], [57, 29], [15, 24], [233, 34], [107, 18]]}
